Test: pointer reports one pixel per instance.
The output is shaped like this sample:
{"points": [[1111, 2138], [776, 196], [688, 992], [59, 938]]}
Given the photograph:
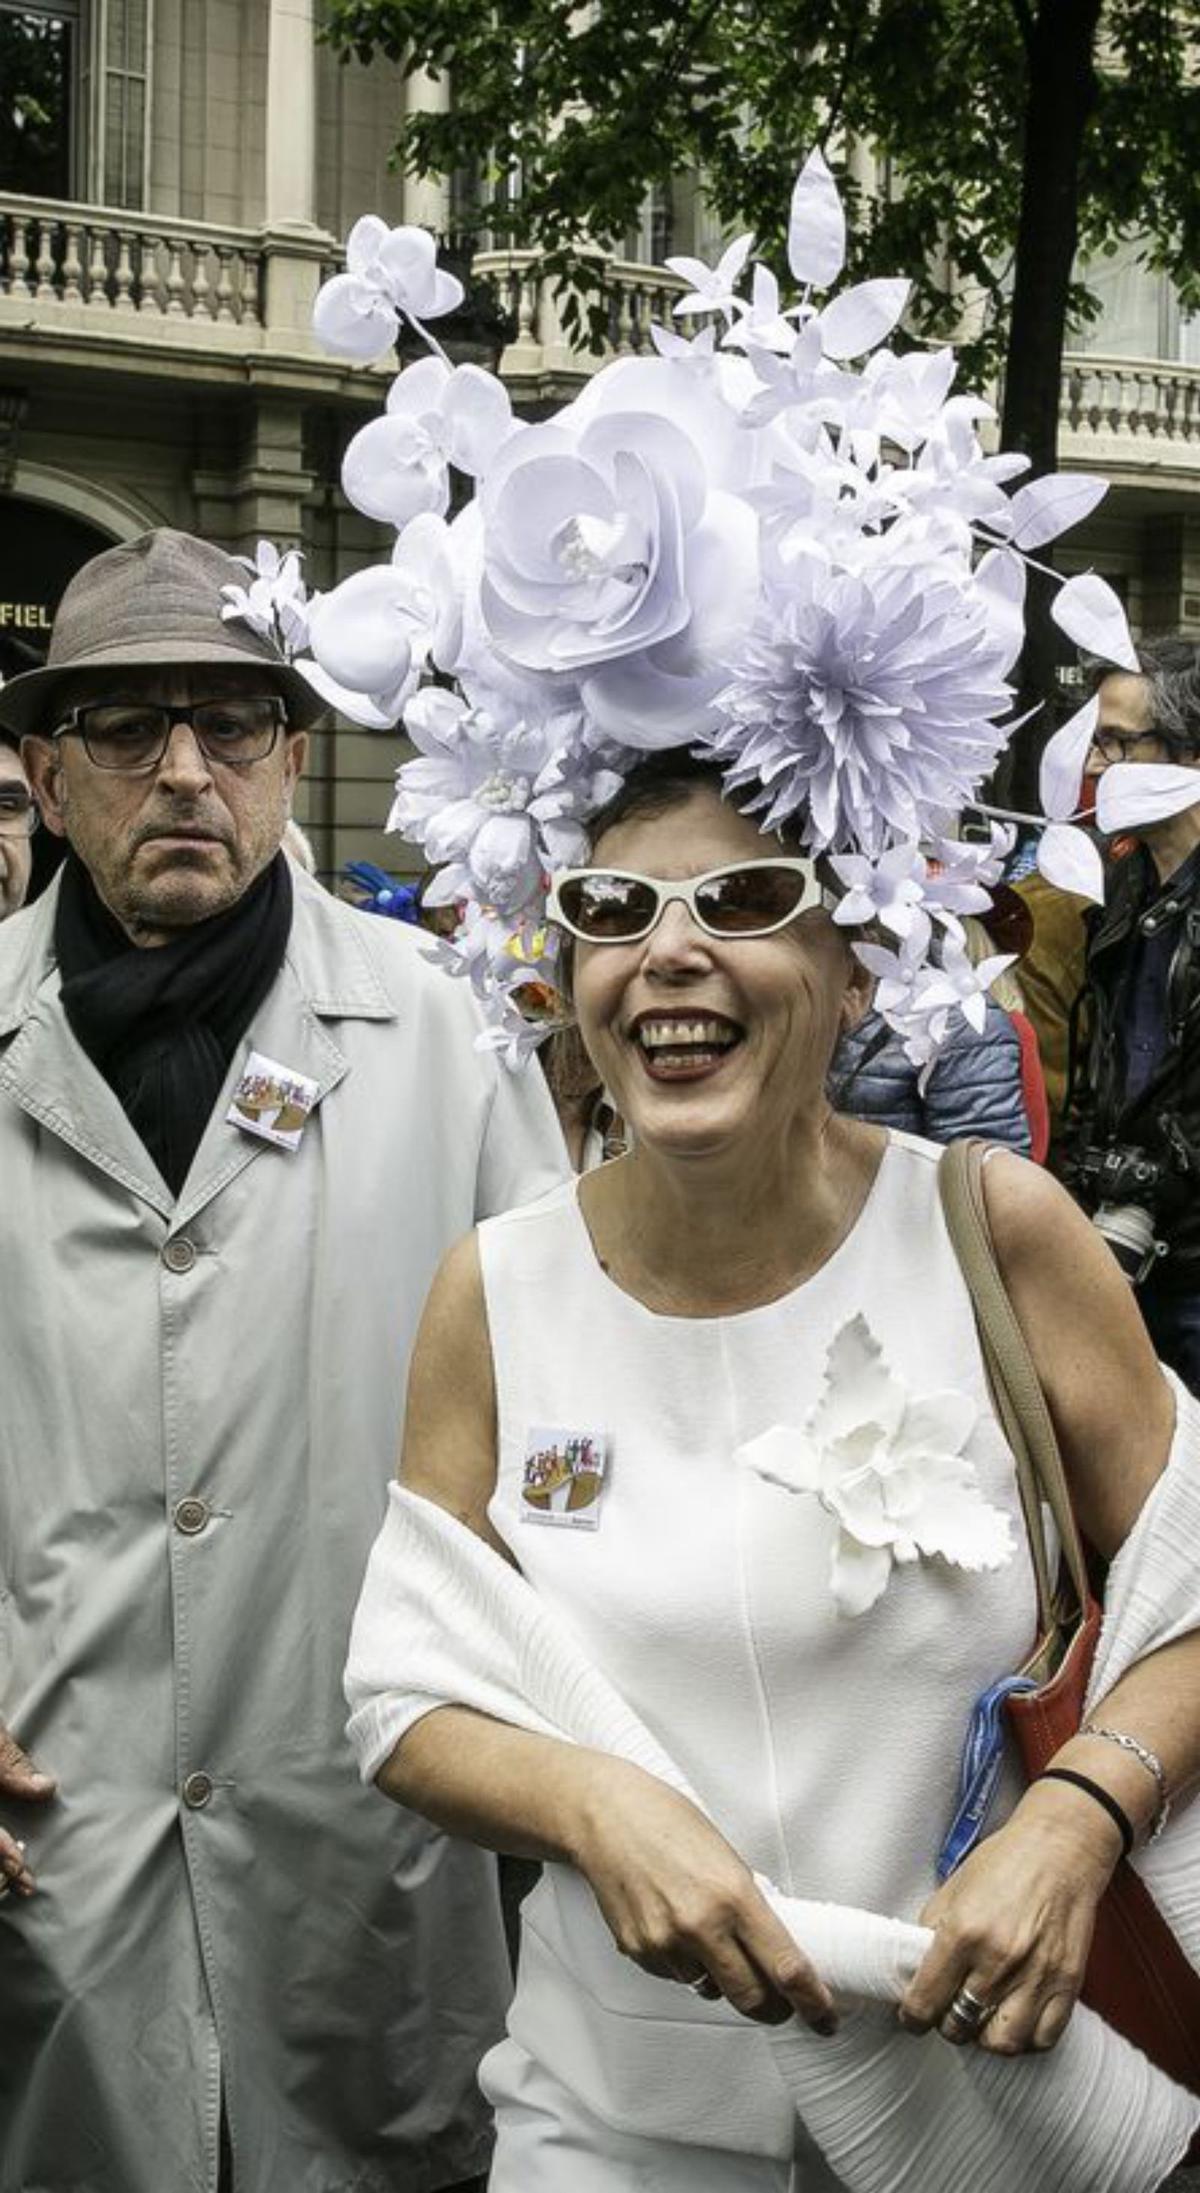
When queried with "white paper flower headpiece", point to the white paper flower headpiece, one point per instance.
{"points": [[891, 1469], [779, 542]]}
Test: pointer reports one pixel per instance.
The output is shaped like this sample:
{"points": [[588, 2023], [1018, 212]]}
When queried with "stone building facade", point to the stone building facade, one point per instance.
{"points": [[175, 177]]}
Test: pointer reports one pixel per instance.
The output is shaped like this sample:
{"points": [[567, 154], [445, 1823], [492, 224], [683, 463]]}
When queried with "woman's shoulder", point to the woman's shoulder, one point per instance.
{"points": [[543, 1215]]}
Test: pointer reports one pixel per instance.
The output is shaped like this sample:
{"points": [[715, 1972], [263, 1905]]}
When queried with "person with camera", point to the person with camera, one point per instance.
{"points": [[1131, 1150]]}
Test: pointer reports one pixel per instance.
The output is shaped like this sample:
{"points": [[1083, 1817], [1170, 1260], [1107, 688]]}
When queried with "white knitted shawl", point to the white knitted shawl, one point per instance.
{"points": [[444, 1620]]}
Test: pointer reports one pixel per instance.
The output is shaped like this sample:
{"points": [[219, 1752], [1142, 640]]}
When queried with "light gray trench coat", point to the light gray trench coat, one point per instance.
{"points": [[199, 1412]]}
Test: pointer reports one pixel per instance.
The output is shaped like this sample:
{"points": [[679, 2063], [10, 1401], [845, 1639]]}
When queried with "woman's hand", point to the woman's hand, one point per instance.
{"points": [[681, 1903], [1013, 1926]]}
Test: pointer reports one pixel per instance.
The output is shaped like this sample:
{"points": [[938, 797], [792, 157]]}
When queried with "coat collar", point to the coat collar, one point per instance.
{"points": [[330, 973]]}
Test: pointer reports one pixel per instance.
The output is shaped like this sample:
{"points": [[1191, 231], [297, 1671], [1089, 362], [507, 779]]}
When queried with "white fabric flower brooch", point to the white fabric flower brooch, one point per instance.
{"points": [[889, 1467]]}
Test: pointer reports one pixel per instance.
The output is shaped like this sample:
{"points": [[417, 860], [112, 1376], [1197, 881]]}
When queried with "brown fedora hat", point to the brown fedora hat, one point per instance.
{"points": [[156, 599]]}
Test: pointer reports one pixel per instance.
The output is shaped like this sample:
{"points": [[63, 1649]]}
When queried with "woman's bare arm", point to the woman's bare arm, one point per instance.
{"points": [[1014, 1924]]}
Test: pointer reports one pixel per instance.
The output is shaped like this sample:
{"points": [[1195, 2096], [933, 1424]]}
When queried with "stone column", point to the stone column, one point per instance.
{"points": [[291, 182], [427, 198]]}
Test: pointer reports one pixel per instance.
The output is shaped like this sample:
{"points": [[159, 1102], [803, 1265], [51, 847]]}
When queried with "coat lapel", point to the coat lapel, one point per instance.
{"points": [[328, 974]]}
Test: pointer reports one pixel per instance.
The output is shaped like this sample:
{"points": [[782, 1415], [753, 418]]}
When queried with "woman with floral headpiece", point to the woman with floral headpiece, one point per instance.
{"points": [[799, 1558], [708, 1542]]}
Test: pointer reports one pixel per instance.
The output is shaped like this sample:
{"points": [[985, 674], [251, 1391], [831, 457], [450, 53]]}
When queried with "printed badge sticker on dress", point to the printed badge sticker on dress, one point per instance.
{"points": [[272, 1101], [564, 1477]]}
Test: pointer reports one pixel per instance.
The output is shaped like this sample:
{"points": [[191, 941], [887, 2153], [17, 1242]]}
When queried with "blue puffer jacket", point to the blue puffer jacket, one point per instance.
{"points": [[974, 1089]]}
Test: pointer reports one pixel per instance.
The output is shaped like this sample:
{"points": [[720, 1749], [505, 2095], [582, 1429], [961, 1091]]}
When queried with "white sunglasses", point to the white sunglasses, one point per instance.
{"points": [[747, 899]]}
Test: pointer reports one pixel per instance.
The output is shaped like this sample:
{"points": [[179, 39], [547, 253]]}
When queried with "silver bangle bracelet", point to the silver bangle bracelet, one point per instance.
{"points": [[1147, 1758]]}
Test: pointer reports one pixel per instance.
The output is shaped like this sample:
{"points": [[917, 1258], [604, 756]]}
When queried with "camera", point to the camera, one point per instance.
{"points": [[1126, 1181], [1128, 1229]]}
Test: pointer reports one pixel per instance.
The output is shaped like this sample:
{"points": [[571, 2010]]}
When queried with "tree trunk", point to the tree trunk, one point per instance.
{"points": [[1062, 94]]}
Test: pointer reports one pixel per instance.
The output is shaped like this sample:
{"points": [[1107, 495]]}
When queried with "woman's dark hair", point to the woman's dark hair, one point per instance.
{"points": [[665, 780]]}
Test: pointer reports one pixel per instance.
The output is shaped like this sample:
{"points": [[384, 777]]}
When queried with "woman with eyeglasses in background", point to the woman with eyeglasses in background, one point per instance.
{"points": [[597, 1383]]}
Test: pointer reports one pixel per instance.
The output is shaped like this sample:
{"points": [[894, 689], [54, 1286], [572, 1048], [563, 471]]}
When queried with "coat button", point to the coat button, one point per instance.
{"points": [[197, 1790], [191, 1515], [179, 1255]]}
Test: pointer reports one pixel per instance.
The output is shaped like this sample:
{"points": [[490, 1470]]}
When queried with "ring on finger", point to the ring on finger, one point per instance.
{"points": [[969, 2012]]}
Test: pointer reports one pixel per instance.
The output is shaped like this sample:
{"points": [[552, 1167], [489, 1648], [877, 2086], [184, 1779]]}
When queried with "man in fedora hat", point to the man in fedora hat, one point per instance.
{"points": [[222, 1962]]}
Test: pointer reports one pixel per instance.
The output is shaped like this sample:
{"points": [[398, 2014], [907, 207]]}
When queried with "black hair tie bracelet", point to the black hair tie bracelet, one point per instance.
{"points": [[1116, 1813]]}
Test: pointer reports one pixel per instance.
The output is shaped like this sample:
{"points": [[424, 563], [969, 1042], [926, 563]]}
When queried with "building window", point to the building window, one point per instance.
{"points": [[120, 48], [74, 86], [39, 102]]}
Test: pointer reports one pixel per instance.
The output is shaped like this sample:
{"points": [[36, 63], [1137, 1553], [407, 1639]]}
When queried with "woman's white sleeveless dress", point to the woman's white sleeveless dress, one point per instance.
{"points": [[826, 1746]]}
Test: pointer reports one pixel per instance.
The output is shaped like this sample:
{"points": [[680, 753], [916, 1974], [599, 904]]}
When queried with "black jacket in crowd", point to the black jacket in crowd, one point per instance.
{"points": [[1162, 1123]]}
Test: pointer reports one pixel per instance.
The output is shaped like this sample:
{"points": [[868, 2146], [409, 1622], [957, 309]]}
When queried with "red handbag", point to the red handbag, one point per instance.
{"points": [[1138, 1977]]}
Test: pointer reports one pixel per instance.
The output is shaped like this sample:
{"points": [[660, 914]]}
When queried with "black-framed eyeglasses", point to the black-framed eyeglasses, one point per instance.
{"points": [[18, 812], [131, 737], [1116, 745], [747, 899]]}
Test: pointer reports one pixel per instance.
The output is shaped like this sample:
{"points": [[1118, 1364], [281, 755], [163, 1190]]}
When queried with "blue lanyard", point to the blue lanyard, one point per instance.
{"points": [[979, 1772]]}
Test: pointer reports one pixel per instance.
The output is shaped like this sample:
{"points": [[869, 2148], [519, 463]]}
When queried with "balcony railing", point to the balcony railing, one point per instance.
{"points": [[637, 295], [109, 262], [1149, 406], [97, 269]]}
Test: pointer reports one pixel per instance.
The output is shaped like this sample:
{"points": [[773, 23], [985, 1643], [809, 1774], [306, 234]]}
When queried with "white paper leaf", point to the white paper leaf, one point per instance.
{"points": [[862, 317], [1133, 792], [1000, 579], [1068, 858], [1049, 506], [1062, 761], [1089, 612], [816, 226]]}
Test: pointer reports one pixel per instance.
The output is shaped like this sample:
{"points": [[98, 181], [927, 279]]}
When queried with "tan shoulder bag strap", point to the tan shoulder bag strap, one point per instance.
{"points": [[1012, 1377]]}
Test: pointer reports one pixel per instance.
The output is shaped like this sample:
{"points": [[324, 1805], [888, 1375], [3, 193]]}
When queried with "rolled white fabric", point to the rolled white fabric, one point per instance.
{"points": [[444, 1621]]}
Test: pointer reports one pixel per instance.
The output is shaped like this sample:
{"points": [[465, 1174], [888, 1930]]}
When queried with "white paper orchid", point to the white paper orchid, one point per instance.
{"points": [[761, 321], [963, 869], [488, 799], [712, 288], [391, 275], [890, 1467], [436, 416], [276, 602], [890, 890]]}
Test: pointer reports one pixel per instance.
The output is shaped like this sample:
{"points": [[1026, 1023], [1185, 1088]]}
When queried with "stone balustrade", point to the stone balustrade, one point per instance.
{"points": [[94, 269], [114, 263], [540, 358], [1151, 402]]}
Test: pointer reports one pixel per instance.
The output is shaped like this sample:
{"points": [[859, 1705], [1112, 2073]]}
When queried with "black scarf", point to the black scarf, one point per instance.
{"points": [[161, 1022]]}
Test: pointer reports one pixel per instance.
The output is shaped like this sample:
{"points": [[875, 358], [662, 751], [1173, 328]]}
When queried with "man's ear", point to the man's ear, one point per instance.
{"points": [[296, 756], [43, 767]]}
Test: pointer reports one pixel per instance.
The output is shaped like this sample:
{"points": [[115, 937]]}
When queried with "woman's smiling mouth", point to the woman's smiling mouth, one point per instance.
{"points": [[683, 1045]]}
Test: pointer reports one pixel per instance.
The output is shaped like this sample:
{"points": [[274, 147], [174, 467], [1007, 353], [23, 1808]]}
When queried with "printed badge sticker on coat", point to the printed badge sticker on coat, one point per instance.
{"points": [[564, 1477], [272, 1102]]}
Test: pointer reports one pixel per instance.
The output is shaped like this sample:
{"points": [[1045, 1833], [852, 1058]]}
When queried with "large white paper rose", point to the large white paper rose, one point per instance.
{"points": [[610, 550]]}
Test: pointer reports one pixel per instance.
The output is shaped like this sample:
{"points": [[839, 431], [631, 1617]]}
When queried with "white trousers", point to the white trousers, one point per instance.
{"points": [[547, 2142]]}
